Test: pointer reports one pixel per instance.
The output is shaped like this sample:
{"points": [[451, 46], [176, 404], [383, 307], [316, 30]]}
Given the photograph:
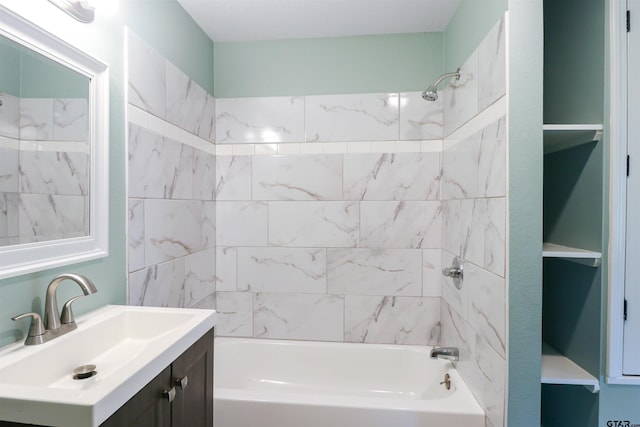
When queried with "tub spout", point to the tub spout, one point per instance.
{"points": [[447, 353]]}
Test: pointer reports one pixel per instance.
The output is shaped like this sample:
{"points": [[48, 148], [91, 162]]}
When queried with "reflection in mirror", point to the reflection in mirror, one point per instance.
{"points": [[44, 148], [54, 150]]}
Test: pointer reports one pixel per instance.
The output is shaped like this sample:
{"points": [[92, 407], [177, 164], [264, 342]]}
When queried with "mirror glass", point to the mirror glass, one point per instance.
{"points": [[44, 148], [54, 150]]}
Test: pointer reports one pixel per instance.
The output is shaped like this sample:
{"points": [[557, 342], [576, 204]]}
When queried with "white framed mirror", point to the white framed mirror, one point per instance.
{"points": [[54, 150]]}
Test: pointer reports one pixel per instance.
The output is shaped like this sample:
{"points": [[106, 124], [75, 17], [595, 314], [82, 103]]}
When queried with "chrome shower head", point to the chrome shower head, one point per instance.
{"points": [[431, 94]]}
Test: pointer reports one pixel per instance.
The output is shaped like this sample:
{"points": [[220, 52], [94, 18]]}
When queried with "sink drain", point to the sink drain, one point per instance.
{"points": [[85, 371]]}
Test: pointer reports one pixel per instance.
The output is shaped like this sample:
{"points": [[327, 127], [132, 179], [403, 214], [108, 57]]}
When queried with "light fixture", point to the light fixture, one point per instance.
{"points": [[78, 9], [84, 10]]}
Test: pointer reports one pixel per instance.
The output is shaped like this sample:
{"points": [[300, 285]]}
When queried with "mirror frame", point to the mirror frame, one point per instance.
{"points": [[25, 258]]}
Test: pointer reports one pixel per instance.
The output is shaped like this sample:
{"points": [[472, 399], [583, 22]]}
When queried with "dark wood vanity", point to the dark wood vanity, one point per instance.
{"points": [[180, 396]]}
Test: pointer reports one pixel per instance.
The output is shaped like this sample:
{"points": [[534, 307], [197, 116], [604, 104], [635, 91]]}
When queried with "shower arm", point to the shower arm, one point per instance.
{"points": [[455, 74]]}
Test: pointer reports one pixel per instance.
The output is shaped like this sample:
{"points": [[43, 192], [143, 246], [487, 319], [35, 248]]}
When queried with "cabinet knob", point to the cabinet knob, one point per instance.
{"points": [[182, 382], [170, 394]]}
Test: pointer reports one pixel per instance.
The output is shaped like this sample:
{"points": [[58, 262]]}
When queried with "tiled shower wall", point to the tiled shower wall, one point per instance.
{"points": [[474, 222], [334, 214], [329, 218], [44, 169], [171, 228]]}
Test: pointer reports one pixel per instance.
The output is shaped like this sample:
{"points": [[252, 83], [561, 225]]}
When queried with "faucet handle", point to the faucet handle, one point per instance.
{"points": [[67, 314], [36, 329]]}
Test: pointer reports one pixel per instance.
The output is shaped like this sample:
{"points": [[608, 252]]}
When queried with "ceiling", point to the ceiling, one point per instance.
{"points": [[249, 20]]}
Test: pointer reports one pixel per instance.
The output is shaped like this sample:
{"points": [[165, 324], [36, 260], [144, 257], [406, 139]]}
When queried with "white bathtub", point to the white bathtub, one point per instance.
{"points": [[270, 383]]}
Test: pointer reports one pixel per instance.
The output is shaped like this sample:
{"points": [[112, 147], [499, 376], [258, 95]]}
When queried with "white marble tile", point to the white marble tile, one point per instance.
{"points": [[358, 117], [36, 119], [495, 236], [46, 217], [71, 119], [410, 225], [235, 314], [51, 172], [282, 270], [159, 167], [199, 276], [487, 311], [492, 162], [233, 177], [207, 303], [204, 175], [460, 97], [492, 66], [9, 161], [9, 116], [172, 228], [374, 272], [456, 332], [135, 234], [226, 269], [241, 223], [313, 224], [265, 119], [420, 119], [160, 285], [431, 273], [392, 320], [9, 217], [299, 316], [185, 100], [463, 228], [460, 165], [301, 177], [146, 76], [491, 374], [207, 125], [400, 176], [208, 225]]}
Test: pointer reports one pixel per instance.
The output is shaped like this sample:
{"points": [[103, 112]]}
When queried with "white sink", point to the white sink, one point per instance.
{"points": [[128, 345]]}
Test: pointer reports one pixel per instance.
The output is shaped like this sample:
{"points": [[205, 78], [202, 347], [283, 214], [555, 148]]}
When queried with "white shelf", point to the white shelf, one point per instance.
{"points": [[561, 137], [581, 256], [558, 369]]}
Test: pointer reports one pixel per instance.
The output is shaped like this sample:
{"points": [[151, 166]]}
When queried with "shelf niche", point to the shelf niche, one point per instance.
{"points": [[559, 369], [561, 137], [577, 255]]}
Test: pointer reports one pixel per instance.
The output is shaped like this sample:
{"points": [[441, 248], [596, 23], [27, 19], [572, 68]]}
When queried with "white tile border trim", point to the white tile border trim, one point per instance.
{"points": [[165, 129], [354, 147]]}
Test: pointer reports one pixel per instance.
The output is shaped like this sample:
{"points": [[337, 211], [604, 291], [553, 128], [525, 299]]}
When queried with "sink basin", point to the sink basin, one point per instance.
{"points": [[128, 345]]}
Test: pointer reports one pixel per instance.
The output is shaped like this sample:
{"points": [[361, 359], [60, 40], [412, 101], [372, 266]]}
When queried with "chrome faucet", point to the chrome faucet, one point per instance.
{"points": [[447, 353], [55, 324]]}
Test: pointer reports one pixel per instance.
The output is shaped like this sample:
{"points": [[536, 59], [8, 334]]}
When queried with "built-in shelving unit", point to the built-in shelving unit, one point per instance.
{"points": [[581, 256], [558, 369], [561, 137]]}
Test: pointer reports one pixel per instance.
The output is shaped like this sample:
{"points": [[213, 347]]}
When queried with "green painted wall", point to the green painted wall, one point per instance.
{"points": [[574, 61], [40, 77], [525, 56], [471, 22], [105, 40], [389, 63], [9, 68]]}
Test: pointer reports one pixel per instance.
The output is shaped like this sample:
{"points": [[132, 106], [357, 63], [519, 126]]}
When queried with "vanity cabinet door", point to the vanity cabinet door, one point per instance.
{"points": [[193, 406], [150, 407]]}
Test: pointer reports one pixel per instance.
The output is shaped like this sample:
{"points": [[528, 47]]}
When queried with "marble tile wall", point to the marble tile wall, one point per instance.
{"points": [[329, 219], [44, 167], [171, 184], [474, 205]]}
